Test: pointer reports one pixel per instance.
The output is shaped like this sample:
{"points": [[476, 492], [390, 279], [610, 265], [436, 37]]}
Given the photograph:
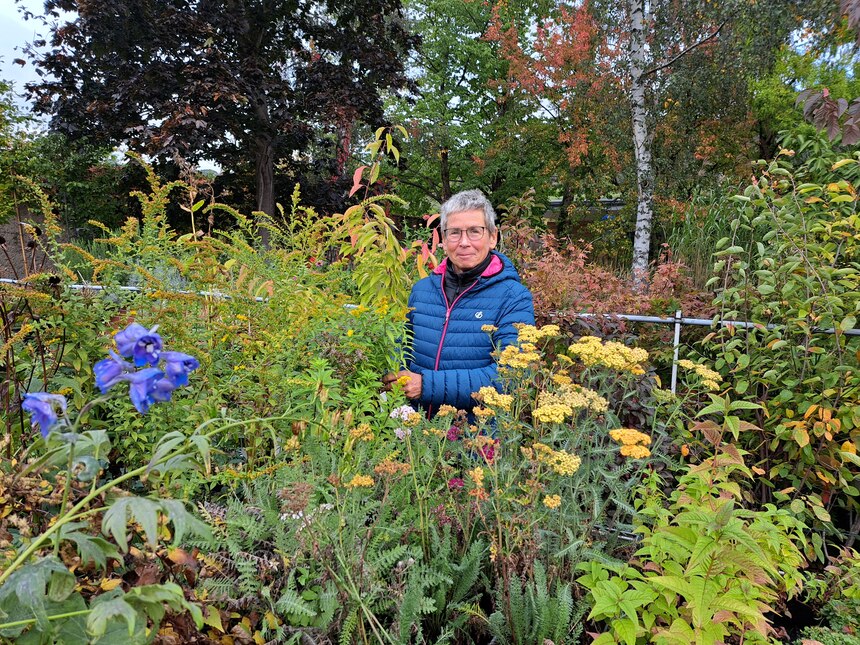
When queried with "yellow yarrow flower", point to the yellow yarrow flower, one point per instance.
{"points": [[634, 452], [445, 410], [710, 379], [477, 476], [412, 420], [561, 462], [562, 379], [531, 334], [483, 413], [629, 437], [390, 467], [360, 481], [512, 357], [489, 329], [552, 501], [292, 444], [362, 432], [592, 351], [491, 397], [552, 413]]}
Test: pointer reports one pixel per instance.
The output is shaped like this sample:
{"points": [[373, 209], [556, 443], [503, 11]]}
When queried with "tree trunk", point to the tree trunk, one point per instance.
{"points": [[445, 174], [641, 143], [265, 179]]}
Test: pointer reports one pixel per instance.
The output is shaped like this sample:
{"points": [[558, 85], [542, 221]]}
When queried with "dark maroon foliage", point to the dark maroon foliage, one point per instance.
{"points": [[247, 83]]}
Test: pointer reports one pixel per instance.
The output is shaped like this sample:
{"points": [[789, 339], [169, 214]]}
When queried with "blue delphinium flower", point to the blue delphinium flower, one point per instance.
{"points": [[43, 409], [141, 387], [140, 343], [109, 371], [177, 366], [162, 390]]}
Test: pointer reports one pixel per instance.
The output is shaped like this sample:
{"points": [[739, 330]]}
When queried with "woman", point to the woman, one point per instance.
{"points": [[474, 289]]}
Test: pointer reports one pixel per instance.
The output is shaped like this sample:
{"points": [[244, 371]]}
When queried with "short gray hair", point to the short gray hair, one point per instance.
{"points": [[468, 200]]}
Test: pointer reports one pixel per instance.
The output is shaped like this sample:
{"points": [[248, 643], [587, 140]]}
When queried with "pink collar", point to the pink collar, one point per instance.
{"points": [[494, 267]]}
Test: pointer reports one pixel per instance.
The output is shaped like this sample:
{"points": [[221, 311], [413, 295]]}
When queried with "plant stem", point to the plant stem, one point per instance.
{"points": [[29, 621], [66, 491]]}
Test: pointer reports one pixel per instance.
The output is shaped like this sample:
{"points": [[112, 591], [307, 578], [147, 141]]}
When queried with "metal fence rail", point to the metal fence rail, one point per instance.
{"points": [[678, 320]]}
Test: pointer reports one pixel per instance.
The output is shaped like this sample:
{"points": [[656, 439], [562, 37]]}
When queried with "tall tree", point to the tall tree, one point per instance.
{"points": [[563, 69], [466, 129], [241, 82], [664, 43]]}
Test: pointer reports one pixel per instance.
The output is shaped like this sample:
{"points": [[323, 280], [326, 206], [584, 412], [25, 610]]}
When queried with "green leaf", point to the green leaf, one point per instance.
{"points": [[183, 521], [114, 608], [744, 405], [625, 629], [848, 323], [820, 512], [141, 509]]}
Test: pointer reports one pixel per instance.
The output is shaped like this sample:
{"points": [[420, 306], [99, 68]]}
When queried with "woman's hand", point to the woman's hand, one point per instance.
{"points": [[410, 380]]}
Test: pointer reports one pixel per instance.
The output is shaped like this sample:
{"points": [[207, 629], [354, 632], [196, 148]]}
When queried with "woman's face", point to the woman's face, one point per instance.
{"points": [[466, 253]]}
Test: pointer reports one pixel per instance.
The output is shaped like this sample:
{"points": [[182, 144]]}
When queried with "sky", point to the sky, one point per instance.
{"points": [[15, 32]]}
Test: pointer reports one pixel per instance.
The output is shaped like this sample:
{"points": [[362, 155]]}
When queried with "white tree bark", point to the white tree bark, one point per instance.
{"points": [[639, 58]]}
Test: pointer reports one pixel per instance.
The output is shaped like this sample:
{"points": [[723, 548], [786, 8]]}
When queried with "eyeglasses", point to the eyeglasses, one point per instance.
{"points": [[474, 233]]}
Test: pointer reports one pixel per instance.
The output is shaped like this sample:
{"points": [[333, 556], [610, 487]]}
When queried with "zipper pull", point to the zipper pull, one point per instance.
{"points": [[447, 315]]}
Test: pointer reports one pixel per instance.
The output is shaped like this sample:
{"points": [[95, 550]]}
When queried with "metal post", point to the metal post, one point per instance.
{"points": [[677, 344]]}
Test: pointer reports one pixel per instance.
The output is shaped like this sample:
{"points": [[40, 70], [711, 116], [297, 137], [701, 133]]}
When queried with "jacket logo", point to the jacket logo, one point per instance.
{"points": [[480, 314]]}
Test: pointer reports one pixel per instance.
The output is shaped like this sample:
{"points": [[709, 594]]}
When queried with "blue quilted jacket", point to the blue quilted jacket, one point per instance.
{"points": [[449, 349]]}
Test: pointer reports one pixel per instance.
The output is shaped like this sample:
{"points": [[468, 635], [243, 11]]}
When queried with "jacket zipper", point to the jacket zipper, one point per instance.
{"points": [[447, 318], [445, 328]]}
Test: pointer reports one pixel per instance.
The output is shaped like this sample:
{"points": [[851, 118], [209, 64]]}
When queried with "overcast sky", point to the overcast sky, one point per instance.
{"points": [[15, 32]]}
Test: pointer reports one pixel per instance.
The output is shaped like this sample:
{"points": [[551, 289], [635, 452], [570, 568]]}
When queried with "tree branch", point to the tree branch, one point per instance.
{"points": [[684, 52]]}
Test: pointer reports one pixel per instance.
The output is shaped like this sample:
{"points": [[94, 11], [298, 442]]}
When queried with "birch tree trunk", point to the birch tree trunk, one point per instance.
{"points": [[639, 58]]}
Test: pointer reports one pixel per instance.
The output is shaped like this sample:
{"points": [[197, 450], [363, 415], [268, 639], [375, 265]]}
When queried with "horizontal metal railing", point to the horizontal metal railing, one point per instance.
{"points": [[678, 320]]}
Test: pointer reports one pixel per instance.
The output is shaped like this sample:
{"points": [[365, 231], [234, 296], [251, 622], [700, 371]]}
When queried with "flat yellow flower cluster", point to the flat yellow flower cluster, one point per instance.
{"points": [[412, 420], [477, 476], [531, 334], [592, 351], [552, 413], [390, 467], [491, 397], [483, 413], [552, 501], [629, 437], [561, 462], [362, 432], [445, 410], [710, 378], [489, 329], [635, 452], [561, 379], [555, 407], [360, 481], [521, 357], [632, 442]]}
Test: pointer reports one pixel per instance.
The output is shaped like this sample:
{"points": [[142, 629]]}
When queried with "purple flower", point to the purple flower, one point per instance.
{"points": [[162, 390], [453, 433], [402, 433], [43, 409], [143, 344], [142, 384], [177, 366], [456, 483], [109, 371]]}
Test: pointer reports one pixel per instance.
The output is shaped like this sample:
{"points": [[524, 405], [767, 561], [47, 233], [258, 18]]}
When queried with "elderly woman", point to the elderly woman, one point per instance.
{"points": [[475, 287]]}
